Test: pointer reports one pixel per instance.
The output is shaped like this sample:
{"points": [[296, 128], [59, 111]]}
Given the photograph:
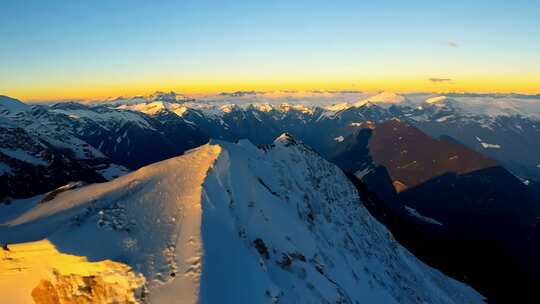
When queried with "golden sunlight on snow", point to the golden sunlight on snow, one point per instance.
{"points": [[36, 272]]}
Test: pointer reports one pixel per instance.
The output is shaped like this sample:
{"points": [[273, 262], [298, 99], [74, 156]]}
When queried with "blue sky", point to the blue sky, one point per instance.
{"points": [[63, 49]]}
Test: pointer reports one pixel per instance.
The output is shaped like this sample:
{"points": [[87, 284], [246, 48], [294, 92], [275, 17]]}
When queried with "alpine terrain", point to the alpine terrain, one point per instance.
{"points": [[454, 177], [224, 223], [280, 152]]}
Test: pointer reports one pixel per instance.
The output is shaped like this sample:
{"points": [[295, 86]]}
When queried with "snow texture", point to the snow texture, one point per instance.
{"points": [[417, 215], [24, 156], [233, 223], [487, 145]]}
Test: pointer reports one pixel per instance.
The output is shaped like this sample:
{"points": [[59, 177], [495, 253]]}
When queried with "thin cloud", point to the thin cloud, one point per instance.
{"points": [[439, 79], [452, 44]]}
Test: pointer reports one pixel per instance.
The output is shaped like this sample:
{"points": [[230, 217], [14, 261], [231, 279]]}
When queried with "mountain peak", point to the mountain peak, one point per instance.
{"points": [[386, 97], [270, 215], [436, 99], [12, 105], [285, 139], [414, 157], [381, 98], [167, 96], [69, 105], [362, 103]]}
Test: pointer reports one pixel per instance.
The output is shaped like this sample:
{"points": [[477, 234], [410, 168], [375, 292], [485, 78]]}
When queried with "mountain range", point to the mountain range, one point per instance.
{"points": [[453, 177]]}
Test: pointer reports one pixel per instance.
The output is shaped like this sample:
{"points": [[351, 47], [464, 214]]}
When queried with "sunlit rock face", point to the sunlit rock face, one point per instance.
{"points": [[77, 289], [36, 272]]}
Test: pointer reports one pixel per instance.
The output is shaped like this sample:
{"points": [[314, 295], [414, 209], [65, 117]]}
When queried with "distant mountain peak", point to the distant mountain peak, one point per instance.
{"points": [[362, 103], [167, 96], [436, 99], [383, 98], [12, 105], [240, 93], [286, 139], [413, 157], [386, 97], [69, 105]]}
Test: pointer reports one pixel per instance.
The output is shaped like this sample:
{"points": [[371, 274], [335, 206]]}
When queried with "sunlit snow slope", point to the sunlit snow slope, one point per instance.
{"points": [[35, 272], [233, 223]]}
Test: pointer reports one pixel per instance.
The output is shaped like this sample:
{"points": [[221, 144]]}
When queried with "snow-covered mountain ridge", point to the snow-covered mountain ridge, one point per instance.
{"points": [[492, 105], [53, 145], [233, 223], [110, 135]]}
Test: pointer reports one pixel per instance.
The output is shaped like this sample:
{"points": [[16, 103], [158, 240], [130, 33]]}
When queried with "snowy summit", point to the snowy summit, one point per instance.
{"points": [[228, 223]]}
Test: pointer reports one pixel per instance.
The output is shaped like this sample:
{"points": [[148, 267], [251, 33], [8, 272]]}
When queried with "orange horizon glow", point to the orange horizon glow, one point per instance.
{"points": [[100, 91], [91, 51]]}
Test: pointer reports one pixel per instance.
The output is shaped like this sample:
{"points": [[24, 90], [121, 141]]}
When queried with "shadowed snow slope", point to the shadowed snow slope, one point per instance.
{"points": [[233, 223], [11, 106]]}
